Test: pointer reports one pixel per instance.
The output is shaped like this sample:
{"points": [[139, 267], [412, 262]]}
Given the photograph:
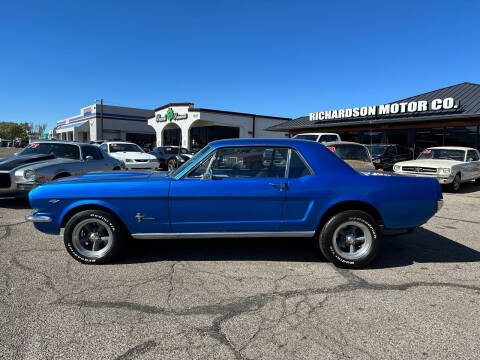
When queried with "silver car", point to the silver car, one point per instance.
{"points": [[44, 161]]}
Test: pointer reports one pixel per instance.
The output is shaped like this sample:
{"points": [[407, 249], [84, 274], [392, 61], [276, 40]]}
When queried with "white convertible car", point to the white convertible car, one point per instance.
{"points": [[450, 165]]}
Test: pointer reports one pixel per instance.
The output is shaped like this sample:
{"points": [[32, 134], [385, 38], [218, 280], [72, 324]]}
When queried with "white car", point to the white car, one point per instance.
{"points": [[318, 137], [131, 154], [450, 165]]}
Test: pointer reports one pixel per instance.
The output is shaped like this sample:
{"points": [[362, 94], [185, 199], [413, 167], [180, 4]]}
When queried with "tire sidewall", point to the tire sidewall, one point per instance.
{"points": [[109, 220], [326, 239]]}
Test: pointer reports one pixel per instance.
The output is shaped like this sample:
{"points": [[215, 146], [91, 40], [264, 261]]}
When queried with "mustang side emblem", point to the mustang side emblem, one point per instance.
{"points": [[140, 217], [53, 201]]}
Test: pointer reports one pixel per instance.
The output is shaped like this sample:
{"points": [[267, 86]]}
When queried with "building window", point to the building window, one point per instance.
{"points": [[462, 136]]}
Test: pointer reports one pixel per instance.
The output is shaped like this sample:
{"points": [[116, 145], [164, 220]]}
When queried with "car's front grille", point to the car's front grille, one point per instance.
{"points": [[5, 180], [141, 160], [419, 169]]}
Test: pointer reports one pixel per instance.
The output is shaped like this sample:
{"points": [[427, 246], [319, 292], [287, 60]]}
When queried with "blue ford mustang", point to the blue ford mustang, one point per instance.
{"points": [[233, 189]]}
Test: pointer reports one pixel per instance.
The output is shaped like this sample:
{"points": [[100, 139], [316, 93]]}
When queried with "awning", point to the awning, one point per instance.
{"points": [[81, 125]]}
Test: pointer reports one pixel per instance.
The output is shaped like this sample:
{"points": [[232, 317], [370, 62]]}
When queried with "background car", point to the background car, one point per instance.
{"points": [[131, 154], [354, 154], [44, 161], [223, 191], [318, 137], [384, 156], [450, 165], [170, 157]]}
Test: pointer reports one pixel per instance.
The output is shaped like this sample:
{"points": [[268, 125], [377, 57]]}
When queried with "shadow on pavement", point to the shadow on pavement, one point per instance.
{"points": [[15, 203], [466, 188], [423, 246]]}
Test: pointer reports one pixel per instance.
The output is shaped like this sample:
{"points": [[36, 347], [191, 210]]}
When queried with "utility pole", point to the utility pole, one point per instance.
{"points": [[100, 135]]}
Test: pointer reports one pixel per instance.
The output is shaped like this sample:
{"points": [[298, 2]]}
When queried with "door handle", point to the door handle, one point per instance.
{"points": [[282, 186]]}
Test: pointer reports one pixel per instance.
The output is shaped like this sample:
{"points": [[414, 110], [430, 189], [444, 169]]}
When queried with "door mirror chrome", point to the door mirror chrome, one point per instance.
{"points": [[207, 175], [88, 157], [469, 159]]}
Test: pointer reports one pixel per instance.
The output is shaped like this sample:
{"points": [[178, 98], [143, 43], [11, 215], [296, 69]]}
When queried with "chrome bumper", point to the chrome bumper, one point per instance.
{"points": [[447, 179], [34, 217]]}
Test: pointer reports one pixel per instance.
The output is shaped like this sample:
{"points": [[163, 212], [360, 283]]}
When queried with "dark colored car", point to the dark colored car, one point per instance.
{"points": [[170, 157], [384, 156]]}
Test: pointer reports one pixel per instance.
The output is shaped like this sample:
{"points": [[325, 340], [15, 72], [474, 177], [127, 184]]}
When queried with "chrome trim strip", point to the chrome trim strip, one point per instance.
{"points": [[208, 235], [38, 218]]}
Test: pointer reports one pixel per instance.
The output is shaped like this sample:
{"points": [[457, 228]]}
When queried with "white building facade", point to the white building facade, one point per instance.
{"points": [[193, 128], [107, 122]]}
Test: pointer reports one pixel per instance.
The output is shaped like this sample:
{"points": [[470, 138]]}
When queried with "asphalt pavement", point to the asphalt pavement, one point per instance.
{"points": [[252, 299]]}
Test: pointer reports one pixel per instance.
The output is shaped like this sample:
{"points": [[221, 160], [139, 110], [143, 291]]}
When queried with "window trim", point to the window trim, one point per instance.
{"points": [[287, 169]]}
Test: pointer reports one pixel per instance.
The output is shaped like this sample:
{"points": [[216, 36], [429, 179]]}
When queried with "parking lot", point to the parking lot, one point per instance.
{"points": [[234, 299]]}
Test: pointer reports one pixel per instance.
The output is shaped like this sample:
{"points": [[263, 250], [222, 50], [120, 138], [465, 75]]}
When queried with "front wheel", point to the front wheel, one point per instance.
{"points": [[455, 185], [350, 239], [93, 237]]}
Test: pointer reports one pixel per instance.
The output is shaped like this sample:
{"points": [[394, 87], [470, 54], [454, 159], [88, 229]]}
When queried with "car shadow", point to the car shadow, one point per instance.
{"points": [[423, 246], [465, 188], [15, 203]]}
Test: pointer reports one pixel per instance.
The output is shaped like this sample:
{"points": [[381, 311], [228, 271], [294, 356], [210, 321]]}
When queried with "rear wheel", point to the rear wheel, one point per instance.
{"points": [[350, 239], [93, 237], [455, 185]]}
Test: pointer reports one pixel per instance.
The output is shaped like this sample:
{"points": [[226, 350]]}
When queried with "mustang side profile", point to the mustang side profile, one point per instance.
{"points": [[233, 189]]}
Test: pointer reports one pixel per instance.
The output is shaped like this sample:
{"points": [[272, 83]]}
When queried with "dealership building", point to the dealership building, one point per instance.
{"points": [[193, 128], [445, 117], [107, 122]]}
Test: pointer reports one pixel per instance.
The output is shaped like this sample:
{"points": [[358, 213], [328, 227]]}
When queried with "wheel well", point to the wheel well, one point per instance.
{"points": [[350, 205], [80, 208], [61, 175], [116, 168]]}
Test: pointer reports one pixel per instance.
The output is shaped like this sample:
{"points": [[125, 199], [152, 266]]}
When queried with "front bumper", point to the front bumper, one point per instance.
{"points": [[142, 165], [442, 179], [35, 217], [16, 187]]}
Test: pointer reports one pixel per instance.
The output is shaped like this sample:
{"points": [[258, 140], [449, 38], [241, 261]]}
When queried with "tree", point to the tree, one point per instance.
{"points": [[11, 130]]}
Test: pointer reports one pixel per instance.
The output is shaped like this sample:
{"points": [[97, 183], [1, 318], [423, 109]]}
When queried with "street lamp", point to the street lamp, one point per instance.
{"points": [[100, 137]]}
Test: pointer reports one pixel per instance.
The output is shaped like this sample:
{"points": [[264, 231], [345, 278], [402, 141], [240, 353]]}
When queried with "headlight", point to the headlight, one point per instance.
{"points": [[128, 160], [396, 167], [445, 171], [29, 175]]}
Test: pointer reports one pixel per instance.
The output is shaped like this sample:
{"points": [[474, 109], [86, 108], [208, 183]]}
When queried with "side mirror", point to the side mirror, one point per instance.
{"points": [[88, 157], [207, 175], [470, 159]]}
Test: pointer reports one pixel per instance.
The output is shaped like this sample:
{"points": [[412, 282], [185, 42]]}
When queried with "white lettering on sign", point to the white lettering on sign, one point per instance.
{"points": [[387, 109]]}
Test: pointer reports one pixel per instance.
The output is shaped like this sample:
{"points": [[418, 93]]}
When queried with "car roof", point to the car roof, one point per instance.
{"points": [[118, 142], [384, 145], [56, 142], [319, 133], [452, 148], [328, 143]]}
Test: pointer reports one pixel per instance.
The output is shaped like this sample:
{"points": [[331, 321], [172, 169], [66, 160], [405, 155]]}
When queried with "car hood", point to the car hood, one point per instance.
{"points": [[132, 155], [113, 176], [16, 161], [430, 163]]}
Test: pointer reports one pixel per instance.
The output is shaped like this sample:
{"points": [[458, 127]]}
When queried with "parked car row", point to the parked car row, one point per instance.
{"points": [[450, 165]]}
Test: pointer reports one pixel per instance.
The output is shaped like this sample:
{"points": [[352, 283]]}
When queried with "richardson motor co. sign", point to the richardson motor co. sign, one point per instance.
{"points": [[387, 109]]}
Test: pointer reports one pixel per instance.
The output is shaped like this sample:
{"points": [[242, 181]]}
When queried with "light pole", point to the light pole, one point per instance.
{"points": [[100, 136]]}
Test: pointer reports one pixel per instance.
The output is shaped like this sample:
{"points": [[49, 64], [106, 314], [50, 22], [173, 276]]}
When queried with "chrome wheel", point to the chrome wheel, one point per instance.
{"points": [[352, 240], [92, 238], [172, 165]]}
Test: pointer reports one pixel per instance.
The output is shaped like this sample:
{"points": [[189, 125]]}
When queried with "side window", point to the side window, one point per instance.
{"points": [[298, 168], [250, 162], [104, 147], [472, 154], [92, 151]]}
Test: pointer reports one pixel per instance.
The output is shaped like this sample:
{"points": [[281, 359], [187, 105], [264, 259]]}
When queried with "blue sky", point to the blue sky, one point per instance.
{"points": [[285, 58]]}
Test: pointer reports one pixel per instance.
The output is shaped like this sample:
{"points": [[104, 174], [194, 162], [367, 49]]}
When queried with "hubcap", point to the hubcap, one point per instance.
{"points": [[352, 240], [92, 238]]}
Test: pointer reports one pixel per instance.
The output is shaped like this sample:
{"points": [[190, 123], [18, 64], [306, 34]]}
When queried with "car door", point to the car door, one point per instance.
{"points": [[97, 162], [472, 166], [236, 189]]}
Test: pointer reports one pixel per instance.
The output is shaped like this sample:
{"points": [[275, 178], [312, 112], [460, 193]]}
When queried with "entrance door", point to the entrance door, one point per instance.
{"points": [[238, 189]]}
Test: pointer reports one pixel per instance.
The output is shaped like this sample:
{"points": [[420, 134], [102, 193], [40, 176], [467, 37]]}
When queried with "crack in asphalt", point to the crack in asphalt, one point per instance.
{"points": [[238, 306], [137, 350], [461, 220]]}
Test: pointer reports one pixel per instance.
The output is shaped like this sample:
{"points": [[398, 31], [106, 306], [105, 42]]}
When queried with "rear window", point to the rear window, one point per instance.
{"points": [[328, 138], [350, 152]]}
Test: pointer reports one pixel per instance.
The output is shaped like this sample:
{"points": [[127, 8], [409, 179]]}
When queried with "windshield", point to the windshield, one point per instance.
{"points": [[377, 150], [443, 154], [306, 137], [125, 147], [351, 152], [66, 151], [192, 160]]}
